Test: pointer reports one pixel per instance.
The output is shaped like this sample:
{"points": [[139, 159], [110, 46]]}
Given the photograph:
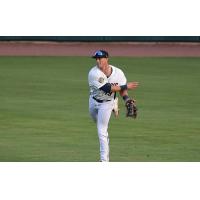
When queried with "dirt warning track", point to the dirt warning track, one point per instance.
{"points": [[132, 49]]}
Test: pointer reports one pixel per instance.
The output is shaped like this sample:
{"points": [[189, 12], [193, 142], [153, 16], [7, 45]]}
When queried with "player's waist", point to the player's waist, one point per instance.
{"points": [[101, 101]]}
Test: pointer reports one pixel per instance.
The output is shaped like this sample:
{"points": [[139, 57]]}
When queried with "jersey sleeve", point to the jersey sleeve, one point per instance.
{"points": [[122, 78], [97, 79]]}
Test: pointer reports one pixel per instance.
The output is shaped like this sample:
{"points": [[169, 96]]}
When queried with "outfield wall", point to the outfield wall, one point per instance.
{"points": [[103, 38]]}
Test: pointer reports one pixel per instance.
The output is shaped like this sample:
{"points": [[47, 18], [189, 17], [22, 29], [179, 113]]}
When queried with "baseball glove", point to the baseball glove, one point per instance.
{"points": [[131, 108]]}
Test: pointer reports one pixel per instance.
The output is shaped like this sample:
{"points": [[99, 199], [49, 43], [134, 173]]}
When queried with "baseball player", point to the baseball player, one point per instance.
{"points": [[104, 81]]}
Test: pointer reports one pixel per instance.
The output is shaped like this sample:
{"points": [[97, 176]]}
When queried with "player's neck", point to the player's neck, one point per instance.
{"points": [[107, 70]]}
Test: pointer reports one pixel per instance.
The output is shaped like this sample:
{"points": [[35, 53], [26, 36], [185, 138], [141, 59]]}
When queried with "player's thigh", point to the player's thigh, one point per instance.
{"points": [[104, 114], [93, 110]]}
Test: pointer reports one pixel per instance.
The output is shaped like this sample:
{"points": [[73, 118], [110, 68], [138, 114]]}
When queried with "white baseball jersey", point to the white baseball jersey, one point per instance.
{"points": [[96, 79]]}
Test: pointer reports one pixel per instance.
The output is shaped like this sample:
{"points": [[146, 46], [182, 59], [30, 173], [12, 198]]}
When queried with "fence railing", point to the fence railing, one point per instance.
{"points": [[103, 38]]}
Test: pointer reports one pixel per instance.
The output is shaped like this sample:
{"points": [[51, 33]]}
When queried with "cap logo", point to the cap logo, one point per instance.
{"points": [[98, 53]]}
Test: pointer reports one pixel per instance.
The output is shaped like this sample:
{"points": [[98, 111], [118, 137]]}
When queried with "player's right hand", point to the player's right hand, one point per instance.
{"points": [[132, 85]]}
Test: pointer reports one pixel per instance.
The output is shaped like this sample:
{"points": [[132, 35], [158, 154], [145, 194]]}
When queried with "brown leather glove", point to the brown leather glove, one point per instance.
{"points": [[131, 108]]}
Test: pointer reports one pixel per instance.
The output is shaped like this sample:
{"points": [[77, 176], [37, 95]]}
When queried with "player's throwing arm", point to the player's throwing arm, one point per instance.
{"points": [[128, 86]]}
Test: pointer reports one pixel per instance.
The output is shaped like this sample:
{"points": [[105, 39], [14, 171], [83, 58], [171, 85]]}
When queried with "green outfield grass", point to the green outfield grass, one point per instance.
{"points": [[44, 110]]}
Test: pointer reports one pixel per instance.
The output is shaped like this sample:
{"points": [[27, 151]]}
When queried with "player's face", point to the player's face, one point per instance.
{"points": [[102, 63]]}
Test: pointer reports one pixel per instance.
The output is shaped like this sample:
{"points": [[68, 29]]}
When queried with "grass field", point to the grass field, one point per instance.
{"points": [[44, 110]]}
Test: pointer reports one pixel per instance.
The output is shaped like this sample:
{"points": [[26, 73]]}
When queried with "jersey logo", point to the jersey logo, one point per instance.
{"points": [[101, 80]]}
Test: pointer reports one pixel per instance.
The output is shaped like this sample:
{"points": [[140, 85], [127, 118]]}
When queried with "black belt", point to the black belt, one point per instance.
{"points": [[100, 101]]}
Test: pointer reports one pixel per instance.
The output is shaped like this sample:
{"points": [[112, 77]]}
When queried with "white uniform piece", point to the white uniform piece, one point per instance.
{"points": [[101, 111]]}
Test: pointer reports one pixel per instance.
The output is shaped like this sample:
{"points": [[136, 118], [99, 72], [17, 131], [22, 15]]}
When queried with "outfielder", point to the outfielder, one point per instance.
{"points": [[104, 81]]}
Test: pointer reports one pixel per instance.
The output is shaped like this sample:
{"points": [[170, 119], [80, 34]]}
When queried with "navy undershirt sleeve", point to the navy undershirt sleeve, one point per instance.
{"points": [[106, 88]]}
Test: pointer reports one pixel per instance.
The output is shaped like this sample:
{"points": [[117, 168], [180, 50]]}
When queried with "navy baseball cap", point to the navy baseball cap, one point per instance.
{"points": [[100, 54]]}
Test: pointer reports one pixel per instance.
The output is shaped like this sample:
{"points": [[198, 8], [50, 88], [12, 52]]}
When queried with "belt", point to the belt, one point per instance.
{"points": [[100, 101]]}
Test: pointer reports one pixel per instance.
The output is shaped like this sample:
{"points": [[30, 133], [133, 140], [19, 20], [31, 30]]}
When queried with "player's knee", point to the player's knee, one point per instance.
{"points": [[103, 138], [103, 132]]}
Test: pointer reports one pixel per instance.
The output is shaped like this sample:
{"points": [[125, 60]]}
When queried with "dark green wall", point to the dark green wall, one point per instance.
{"points": [[104, 38]]}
